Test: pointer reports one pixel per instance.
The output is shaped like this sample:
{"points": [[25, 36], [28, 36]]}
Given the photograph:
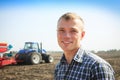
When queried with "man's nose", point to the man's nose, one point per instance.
{"points": [[67, 34]]}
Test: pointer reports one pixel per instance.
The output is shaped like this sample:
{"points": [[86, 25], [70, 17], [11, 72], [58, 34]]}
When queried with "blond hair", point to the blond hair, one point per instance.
{"points": [[71, 16]]}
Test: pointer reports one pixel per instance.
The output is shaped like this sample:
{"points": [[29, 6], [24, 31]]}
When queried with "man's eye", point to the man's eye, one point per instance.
{"points": [[61, 30], [73, 31]]}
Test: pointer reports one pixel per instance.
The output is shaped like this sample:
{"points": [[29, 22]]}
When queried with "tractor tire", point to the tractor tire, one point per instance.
{"points": [[19, 58], [49, 59], [33, 58]]}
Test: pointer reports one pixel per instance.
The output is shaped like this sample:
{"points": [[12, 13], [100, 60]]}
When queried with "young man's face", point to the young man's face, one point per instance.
{"points": [[69, 34]]}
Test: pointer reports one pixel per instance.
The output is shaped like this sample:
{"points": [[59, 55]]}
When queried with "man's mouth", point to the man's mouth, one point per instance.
{"points": [[66, 42]]}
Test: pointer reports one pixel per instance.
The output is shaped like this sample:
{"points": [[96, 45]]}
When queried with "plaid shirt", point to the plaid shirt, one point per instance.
{"points": [[84, 66]]}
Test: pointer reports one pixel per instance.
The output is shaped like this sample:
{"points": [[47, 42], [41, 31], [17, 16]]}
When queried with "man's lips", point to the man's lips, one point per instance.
{"points": [[66, 42]]}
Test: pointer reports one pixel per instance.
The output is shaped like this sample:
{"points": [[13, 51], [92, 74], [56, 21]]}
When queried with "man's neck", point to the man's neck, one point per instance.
{"points": [[69, 55]]}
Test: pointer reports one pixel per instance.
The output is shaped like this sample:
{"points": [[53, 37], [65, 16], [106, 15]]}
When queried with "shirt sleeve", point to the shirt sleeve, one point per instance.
{"points": [[102, 71]]}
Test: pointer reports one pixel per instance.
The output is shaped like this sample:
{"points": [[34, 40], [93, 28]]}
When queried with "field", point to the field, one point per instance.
{"points": [[45, 71], [114, 60]]}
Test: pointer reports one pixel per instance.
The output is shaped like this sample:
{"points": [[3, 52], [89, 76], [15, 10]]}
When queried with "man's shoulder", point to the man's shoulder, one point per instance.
{"points": [[95, 60], [57, 65]]}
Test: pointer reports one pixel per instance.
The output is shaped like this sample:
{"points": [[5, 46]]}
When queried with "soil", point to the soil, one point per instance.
{"points": [[45, 71], [42, 71]]}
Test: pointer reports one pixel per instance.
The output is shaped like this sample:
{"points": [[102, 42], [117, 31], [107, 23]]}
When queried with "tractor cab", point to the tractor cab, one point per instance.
{"points": [[31, 46], [34, 46]]}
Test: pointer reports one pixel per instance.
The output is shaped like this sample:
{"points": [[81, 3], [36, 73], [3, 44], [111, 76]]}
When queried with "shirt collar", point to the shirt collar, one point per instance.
{"points": [[63, 59], [78, 57]]}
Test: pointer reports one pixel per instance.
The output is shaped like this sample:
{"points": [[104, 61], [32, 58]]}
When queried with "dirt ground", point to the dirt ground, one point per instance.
{"points": [[42, 71]]}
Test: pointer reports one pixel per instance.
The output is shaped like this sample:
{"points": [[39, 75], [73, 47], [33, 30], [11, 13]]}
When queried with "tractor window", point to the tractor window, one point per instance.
{"points": [[28, 46], [31, 46], [35, 46]]}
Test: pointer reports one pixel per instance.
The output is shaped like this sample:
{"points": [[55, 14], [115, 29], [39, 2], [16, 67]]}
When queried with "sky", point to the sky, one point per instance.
{"points": [[36, 20]]}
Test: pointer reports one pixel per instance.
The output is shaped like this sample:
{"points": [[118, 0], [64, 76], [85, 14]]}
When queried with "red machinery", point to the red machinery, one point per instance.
{"points": [[5, 60]]}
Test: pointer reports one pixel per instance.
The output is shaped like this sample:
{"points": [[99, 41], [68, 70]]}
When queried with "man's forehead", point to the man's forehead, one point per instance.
{"points": [[69, 27], [73, 24], [76, 21]]}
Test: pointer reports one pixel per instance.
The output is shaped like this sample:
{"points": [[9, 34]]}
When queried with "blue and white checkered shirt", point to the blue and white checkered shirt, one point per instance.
{"points": [[84, 66]]}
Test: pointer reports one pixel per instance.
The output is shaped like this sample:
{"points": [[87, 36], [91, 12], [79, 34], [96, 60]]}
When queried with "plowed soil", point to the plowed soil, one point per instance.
{"points": [[45, 71], [42, 71]]}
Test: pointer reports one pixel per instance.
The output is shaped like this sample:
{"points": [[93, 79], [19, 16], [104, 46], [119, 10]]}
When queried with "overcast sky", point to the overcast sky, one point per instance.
{"points": [[36, 20]]}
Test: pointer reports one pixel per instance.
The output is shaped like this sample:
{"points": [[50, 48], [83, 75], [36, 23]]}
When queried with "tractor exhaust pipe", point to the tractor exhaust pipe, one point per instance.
{"points": [[41, 47]]}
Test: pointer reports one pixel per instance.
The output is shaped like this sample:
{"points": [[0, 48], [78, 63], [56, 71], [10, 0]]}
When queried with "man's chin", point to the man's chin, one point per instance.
{"points": [[67, 48]]}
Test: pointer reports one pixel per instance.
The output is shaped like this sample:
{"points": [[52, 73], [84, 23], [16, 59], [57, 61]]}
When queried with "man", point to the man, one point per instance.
{"points": [[76, 63]]}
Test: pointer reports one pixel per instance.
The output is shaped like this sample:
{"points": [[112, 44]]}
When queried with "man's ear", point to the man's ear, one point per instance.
{"points": [[82, 34]]}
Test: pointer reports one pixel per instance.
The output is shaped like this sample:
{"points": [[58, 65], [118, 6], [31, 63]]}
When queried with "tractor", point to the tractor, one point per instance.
{"points": [[33, 54]]}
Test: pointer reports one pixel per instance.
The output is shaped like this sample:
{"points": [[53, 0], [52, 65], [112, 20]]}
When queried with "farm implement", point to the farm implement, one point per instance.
{"points": [[31, 54], [6, 59]]}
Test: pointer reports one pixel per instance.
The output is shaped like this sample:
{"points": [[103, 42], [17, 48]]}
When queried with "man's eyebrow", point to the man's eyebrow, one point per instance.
{"points": [[60, 28]]}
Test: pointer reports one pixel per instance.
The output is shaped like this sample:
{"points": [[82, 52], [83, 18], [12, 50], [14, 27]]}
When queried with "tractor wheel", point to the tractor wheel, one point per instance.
{"points": [[49, 59], [19, 58], [33, 58]]}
